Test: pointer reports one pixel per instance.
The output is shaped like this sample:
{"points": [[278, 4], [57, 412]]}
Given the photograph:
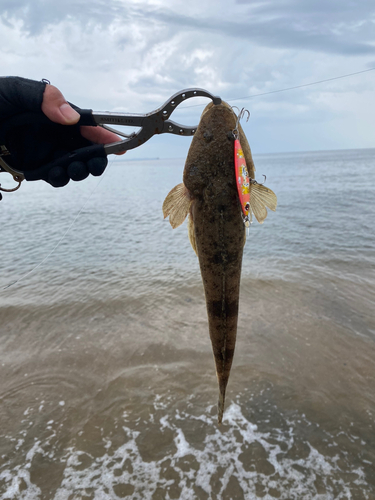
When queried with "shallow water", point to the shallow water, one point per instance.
{"points": [[107, 382]]}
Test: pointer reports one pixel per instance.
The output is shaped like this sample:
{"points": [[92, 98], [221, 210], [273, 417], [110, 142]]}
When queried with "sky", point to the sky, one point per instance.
{"points": [[132, 55]]}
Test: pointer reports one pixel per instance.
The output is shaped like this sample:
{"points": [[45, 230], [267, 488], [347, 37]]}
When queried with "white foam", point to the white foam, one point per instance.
{"points": [[35, 449], [183, 447], [14, 480], [209, 464]]}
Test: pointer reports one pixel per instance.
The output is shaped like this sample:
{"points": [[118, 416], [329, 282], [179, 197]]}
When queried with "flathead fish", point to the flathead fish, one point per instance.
{"points": [[209, 196]]}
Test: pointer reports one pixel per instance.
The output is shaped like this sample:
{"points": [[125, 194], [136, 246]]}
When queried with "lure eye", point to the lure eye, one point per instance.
{"points": [[247, 206]]}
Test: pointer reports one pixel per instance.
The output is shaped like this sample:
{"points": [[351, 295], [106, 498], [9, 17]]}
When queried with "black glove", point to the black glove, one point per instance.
{"points": [[36, 144]]}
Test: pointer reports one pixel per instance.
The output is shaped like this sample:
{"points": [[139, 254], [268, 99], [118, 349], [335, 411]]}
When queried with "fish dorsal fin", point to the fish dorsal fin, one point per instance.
{"points": [[191, 233], [177, 204], [260, 198]]}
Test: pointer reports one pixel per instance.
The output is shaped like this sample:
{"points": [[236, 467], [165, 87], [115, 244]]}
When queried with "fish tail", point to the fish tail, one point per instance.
{"points": [[220, 405]]}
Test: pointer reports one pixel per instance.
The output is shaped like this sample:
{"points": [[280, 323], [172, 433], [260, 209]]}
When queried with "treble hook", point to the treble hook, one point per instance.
{"points": [[253, 181], [241, 114]]}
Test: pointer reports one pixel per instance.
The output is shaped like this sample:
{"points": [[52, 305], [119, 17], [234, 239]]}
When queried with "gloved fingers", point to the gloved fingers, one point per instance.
{"points": [[33, 127], [77, 171], [20, 95]]}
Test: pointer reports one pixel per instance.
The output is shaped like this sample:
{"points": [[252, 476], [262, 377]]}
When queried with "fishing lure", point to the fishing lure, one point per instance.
{"points": [[254, 197], [242, 180], [242, 175]]}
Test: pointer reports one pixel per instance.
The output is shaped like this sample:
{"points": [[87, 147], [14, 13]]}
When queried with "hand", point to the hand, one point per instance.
{"points": [[58, 110], [39, 127]]}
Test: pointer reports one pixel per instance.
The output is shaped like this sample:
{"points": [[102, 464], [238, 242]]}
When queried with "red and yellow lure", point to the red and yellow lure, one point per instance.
{"points": [[242, 174], [254, 197], [242, 180]]}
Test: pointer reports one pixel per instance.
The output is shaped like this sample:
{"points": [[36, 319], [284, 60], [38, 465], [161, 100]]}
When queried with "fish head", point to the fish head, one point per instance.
{"points": [[243, 140], [209, 169]]}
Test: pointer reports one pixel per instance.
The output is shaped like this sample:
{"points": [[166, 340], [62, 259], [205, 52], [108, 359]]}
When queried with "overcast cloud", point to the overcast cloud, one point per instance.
{"points": [[132, 55]]}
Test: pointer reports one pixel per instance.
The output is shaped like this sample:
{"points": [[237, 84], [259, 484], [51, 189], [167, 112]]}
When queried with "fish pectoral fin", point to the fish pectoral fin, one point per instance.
{"points": [[191, 233], [177, 204], [260, 198]]}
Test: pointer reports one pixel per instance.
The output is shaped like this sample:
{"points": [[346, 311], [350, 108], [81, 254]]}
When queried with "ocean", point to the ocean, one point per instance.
{"points": [[107, 381]]}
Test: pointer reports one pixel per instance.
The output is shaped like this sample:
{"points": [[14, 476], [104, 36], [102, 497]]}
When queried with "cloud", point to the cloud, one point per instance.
{"points": [[37, 15], [280, 31], [131, 55], [330, 27]]}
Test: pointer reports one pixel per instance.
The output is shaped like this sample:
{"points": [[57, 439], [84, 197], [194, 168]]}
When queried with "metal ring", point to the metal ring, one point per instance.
{"points": [[11, 190]]}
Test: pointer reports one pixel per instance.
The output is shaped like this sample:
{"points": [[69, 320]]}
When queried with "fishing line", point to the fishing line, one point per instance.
{"points": [[63, 236], [192, 106], [290, 88]]}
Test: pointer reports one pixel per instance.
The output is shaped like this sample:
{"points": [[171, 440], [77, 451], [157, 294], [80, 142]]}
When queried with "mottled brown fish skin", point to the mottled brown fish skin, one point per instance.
{"points": [[209, 176]]}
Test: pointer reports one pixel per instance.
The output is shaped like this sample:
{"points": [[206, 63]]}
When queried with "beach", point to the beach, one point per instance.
{"points": [[107, 380]]}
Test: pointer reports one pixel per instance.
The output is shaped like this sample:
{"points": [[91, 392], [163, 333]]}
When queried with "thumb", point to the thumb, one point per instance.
{"points": [[55, 107]]}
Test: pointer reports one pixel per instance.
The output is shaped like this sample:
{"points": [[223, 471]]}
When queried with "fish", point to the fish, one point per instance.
{"points": [[208, 196]]}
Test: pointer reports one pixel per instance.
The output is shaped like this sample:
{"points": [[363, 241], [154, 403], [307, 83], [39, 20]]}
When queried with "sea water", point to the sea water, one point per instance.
{"points": [[107, 381]]}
